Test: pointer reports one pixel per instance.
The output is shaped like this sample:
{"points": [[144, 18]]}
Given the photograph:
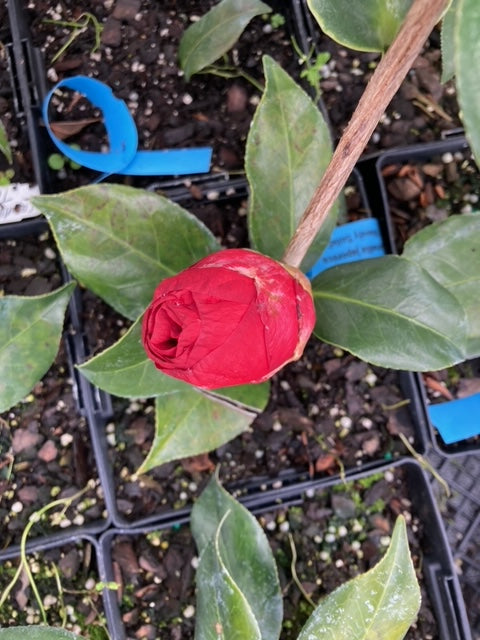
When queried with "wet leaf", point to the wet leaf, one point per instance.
{"points": [[33, 632], [288, 150], [30, 332], [237, 572], [390, 312], [188, 423], [450, 251], [68, 128], [4, 144], [467, 49], [382, 603], [120, 242], [215, 33], [367, 26]]}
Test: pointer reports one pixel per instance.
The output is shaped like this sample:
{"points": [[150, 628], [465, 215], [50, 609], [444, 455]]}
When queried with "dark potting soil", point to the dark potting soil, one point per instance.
{"points": [[422, 110], [338, 534], [66, 579], [46, 449], [327, 414]]}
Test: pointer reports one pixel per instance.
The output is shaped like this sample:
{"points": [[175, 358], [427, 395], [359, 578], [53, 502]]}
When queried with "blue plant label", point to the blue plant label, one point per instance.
{"points": [[350, 242], [123, 156], [457, 419]]}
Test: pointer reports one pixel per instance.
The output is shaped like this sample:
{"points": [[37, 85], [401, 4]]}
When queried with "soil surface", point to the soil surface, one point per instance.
{"points": [[65, 578], [46, 452]]}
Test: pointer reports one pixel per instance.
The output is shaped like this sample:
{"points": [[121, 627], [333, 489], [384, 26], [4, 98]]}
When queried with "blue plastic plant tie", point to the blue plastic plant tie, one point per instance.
{"points": [[350, 242], [123, 157], [456, 420]]}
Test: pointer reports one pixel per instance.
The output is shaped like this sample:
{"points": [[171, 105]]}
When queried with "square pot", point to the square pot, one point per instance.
{"points": [[154, 562]]}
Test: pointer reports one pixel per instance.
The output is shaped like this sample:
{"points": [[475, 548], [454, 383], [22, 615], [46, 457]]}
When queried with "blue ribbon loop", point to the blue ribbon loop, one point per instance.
{"points": [[123, 157]]}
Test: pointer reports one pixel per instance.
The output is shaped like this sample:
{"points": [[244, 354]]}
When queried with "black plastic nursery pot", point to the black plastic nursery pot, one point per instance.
{"points": [[287, 442], [66, 576], [47, 452], [154, 566], [141, 68], [418, 185]]}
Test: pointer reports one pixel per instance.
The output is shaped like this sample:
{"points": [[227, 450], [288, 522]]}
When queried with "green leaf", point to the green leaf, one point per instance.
{"points": [[450, 251], [236, 563], [467, 50], [391, 312], [380, 604], [215, 33], [288, 150], [33, 632], [188, 422], [30, 332], [447, 39], [253, 396], [4, 145], [121, 242], [370, 25], [125, 370]]}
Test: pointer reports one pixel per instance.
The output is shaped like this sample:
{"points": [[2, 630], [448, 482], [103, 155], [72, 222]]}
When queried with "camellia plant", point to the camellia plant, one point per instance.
{"points": [[208, 321], [217, 324]]}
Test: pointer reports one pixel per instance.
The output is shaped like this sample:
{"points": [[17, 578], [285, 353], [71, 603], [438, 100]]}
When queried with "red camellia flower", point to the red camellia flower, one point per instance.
{"points": [[233, 318]]}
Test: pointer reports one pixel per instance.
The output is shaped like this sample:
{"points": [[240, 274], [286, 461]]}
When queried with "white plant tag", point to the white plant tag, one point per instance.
{"points": [[15, 202]]}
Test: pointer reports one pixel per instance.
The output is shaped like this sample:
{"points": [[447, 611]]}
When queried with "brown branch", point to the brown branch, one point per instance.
{"points": [[384, 83]]}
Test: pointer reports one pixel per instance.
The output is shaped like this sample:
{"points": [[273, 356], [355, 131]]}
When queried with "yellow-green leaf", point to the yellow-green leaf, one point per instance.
{"points": [[381, 604]]}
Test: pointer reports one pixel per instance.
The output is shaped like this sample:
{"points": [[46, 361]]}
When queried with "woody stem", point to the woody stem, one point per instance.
{"points": [[384, 83]]}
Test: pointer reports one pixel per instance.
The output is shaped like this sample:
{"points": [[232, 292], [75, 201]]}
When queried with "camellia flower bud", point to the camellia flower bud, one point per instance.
{"points": [[235, 317]]}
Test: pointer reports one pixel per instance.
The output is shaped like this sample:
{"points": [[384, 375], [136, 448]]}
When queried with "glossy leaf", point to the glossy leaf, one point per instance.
{"points": [[216, 32], [288, 150], [467, 52], [121, 242], [124, 370], [237, 580], [5, 148], [370, 25], [448, 42], [30, 332], [33, 632], [382, 603], [188, 423], [450, 251], [390, 312], [247, 396]]}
